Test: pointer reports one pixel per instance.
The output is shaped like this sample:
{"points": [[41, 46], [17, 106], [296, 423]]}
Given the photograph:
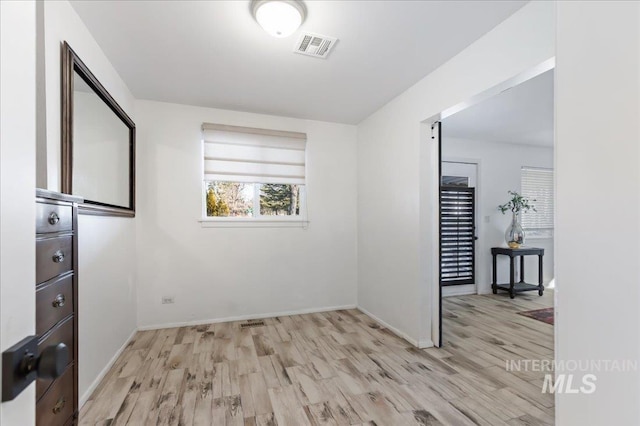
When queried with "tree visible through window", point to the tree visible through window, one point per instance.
{"points": [[227, 199], [278, 200], [237, 199]]}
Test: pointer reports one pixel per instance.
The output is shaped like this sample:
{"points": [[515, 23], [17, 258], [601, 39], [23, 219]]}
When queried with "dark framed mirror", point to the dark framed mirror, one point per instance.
{"points": [[98, 143]]}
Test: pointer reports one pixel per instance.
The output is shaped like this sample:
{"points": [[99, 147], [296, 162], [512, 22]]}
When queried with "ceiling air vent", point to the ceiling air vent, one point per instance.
{"points": [[315, 45]]}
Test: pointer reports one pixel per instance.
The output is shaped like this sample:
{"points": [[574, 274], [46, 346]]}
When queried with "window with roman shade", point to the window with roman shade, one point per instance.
{"points": [[253, 173], [537, 184], [243, 154]]}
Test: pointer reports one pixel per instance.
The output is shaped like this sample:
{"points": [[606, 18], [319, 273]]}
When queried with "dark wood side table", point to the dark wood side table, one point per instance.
{"points": [[516, 287]]}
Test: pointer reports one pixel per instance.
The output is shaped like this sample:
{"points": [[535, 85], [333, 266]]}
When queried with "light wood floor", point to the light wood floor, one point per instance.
{"points": [[334, 368]]}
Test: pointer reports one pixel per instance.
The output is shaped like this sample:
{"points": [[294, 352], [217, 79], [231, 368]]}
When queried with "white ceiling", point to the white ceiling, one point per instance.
{"points": [[520, 115], [214, 54]]}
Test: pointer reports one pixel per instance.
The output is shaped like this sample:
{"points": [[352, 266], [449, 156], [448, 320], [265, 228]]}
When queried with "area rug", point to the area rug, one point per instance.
{"points": [[544, 315]]}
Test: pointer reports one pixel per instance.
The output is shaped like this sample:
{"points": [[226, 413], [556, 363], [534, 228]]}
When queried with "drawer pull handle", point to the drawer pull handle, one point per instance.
{"points": [[58, 256], [54, 218], [59, 405], [59, 301]]}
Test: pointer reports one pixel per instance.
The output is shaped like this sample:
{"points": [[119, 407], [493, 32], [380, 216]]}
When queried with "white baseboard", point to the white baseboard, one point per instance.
{"points": [[425, 343], [245, 317], [460, 290], [87, 394], [421, 344]]}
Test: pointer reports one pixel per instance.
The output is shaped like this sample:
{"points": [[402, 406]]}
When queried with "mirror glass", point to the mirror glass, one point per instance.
{"points": [[100, 148], [98, 143]]}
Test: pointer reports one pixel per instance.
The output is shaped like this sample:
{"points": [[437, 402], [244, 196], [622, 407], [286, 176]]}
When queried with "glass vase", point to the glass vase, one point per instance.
{"points": [[514, 236]]}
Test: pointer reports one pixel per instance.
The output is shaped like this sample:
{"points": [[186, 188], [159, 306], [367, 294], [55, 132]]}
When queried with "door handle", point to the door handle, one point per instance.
{"points": [[21, 365], [52, 361]]}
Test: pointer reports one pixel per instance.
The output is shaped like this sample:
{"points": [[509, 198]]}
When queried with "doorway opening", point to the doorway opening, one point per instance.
{"points": [[458, 201], [504, 139]]}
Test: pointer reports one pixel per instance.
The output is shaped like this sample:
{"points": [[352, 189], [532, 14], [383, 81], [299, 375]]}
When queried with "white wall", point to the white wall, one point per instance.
{"points": [[217, 273], [499, 170], [17, 194], [106, 244], [598, 209], [63, 23], [396, 158]]}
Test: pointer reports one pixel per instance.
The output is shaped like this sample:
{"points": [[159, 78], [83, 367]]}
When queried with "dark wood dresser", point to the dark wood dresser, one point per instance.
{"points": [[57, 302]]}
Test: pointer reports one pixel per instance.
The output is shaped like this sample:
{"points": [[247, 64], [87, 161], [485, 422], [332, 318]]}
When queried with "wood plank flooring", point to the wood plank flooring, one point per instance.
{"points": [[334, 368]]}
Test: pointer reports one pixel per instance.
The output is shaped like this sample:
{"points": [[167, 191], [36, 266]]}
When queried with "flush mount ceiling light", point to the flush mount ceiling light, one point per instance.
{"points": [[280, 18]]}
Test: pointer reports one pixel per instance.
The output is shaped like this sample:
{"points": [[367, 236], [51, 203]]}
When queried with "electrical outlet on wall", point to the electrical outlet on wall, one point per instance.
{"points": [[166, 300]]}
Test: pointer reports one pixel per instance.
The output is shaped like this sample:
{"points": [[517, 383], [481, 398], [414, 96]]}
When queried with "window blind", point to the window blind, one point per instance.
{"points": [[243, 154], [457, 235], [538, 184]]}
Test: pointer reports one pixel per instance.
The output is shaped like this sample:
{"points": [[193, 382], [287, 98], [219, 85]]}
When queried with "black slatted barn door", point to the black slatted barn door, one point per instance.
{"points": [[457, 235]]}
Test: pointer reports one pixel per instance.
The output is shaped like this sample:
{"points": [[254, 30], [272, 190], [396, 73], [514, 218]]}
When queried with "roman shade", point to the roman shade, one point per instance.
{"points": [[243, 154]]}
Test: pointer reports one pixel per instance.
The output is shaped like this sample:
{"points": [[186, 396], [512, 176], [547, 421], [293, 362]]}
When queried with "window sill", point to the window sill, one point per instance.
{"points": [[253, 223], [539, 234]]}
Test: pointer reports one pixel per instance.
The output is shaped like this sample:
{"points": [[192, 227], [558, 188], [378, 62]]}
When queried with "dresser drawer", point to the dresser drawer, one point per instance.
{"points": [[53, 257], [53, 303], [63, 333], [53, 218], [57, 405]]}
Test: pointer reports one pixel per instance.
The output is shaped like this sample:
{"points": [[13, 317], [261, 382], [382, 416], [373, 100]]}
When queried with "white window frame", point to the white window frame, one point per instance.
{"points": [[260, 221]]}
